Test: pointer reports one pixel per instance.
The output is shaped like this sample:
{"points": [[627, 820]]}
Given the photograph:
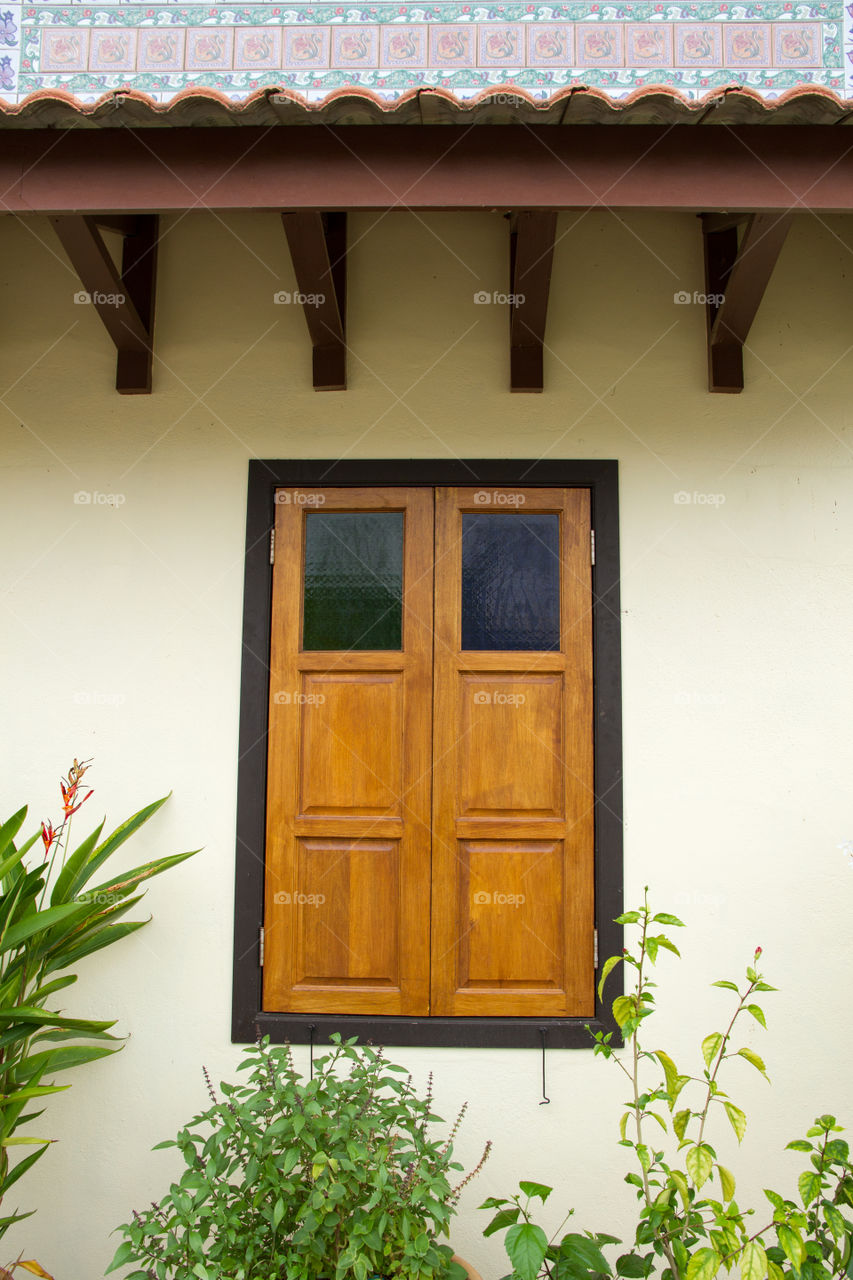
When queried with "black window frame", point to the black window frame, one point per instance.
{"points": [[249, 1019]]}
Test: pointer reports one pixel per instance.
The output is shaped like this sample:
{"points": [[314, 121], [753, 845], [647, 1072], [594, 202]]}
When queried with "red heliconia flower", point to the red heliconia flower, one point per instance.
{"points": [[48, 835]]}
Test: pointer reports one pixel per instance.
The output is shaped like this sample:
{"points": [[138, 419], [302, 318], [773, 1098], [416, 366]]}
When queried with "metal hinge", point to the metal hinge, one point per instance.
{"points": [[272, 545], [592, 546], [595, 949], [261, 947]]}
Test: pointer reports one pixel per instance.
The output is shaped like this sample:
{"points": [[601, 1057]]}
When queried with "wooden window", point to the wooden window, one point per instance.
{"points": [[432, 862]]}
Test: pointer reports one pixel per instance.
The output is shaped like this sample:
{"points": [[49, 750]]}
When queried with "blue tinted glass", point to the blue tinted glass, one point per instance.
{"points": [[510, 581], [353, 595]]}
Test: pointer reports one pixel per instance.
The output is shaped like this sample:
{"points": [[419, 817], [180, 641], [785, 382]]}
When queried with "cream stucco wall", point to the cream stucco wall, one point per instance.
{"points": [[121, 637]]}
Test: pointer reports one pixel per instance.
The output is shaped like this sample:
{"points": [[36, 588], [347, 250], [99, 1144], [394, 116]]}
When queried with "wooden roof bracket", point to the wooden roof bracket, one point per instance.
{"points": [[123, 299], [318, 249], [737, 271], [531, 255]]}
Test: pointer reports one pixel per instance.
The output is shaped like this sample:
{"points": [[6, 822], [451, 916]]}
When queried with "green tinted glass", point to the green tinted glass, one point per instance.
{"points": [[353, 580]]}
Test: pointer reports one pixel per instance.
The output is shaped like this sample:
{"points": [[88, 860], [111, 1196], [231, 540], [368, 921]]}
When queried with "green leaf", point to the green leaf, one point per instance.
{"points": [[632, 1266], [526, 1244], [36, 923], [670, 1072], [584, 1253], [680, 1121], [703, 1265], [61, 1059], [678, 1180], [609, 965], [623, 1009], [710, 1047], [752, 1057], [700, 1163], [83, 873], [810, 1186], [505, 1218], [799, 1144], [835, 1221], [792, 1244], [104, 937], [123, 1255], [21, 1167], [200, 1270], [737, 1119], [727, 1182], [757, 1013], [127, 882], [537, 1189], [73, 863], [729, 986], [663, 917], [753, 1262]]}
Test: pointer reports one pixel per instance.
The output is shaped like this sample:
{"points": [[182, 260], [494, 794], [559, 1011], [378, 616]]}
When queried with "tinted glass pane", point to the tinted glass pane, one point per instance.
{"points": [[510, 581], [353, 580]]}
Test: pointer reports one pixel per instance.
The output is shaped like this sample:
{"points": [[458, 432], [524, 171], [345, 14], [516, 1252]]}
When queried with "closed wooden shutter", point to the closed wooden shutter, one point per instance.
{"points": [[348, 790], [512, 909], [430, 800]]}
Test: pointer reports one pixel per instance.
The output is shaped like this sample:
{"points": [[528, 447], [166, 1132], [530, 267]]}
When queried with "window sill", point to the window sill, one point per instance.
{"points": [[438, 1033]]}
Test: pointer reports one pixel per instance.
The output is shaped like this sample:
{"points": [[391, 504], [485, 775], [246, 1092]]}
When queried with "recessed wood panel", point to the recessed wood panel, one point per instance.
{"points": [[346, 912], [511, 916], [510, 745], [351, 759]]}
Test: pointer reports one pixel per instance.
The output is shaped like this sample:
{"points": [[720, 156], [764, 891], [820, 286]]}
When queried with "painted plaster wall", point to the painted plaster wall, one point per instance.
{"points": [[121, 637]]}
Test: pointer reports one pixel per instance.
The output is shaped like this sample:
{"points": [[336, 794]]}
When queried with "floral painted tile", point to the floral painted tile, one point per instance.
{"points": [[64, 49], [355, 47], [796, 44], [404, 46], [501, 46], [308, 48], [550, 44], [209, 47], [648, 44], [747, 44], [698, 44], [160, 50], [112, 50], [452, 46], [10, 28], [257, 47], [599, 44]]}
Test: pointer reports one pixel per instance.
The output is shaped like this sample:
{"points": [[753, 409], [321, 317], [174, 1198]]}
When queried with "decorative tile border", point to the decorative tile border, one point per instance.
{"points": [[390, 47]]}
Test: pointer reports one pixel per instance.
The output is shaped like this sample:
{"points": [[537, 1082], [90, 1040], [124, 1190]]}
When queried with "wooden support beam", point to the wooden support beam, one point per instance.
{"points": [[531, 255], [318, 248], [123, 299], [737, 272]]}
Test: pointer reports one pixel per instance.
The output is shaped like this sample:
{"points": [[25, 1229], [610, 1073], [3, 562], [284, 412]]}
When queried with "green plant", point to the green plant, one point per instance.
{"points": [[334, 1176], [684, 1232], [41, 938]]}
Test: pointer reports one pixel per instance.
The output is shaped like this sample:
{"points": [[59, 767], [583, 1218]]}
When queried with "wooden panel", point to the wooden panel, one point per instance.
{"points": [[348, 787], [519, 771], [352, 743], [505, 718]]}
